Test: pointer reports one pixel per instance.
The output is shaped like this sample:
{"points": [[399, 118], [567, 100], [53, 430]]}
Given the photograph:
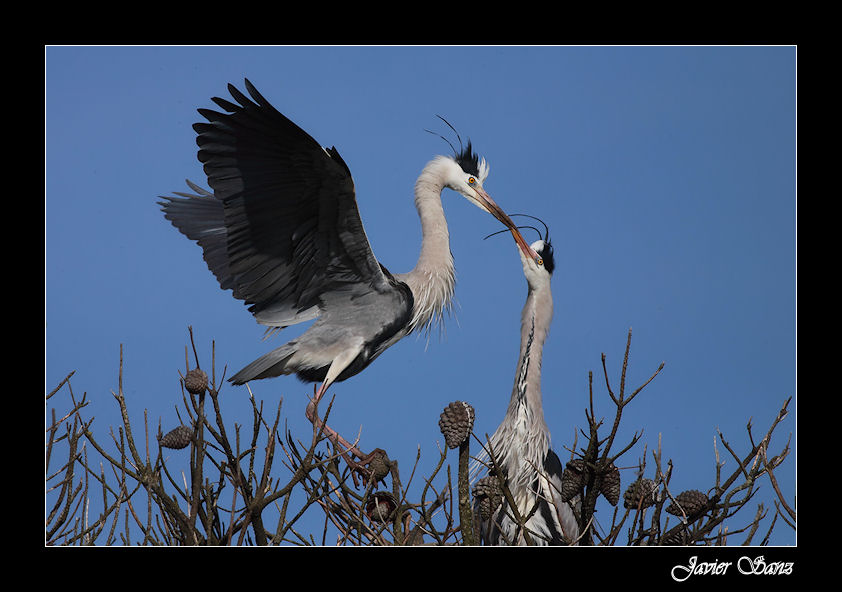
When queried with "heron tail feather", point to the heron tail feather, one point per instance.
{"points": [[268, 365]]}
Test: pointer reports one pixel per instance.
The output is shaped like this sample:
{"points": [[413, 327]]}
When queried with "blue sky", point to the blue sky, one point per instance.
{"points": [[667, 176]]}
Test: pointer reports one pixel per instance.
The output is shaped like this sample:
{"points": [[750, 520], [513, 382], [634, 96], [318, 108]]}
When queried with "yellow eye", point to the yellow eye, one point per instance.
{"points": [[471, 180], [540, 261]]}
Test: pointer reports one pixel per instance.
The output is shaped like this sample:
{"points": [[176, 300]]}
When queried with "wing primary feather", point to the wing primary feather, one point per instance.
{"points": [[281, 227]]}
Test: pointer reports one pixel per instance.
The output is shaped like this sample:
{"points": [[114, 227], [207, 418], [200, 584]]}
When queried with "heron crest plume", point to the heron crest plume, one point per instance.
{"points": [[472, 163], [465, 157]]}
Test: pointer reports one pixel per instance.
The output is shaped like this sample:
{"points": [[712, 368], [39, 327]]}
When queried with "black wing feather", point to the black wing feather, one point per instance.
{"points": [[291, 224]]}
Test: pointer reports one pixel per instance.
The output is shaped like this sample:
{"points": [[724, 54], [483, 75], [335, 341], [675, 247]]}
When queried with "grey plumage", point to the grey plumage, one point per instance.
{"points": [[283, 232], [521, 443]]}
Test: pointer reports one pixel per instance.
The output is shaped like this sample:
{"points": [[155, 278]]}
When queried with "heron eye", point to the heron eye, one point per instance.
{"points": [[540, 261], [471, 181]]}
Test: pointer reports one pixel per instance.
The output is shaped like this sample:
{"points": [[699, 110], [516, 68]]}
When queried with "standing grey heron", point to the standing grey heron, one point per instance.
{"points": [[521, 444], [282, 230]]}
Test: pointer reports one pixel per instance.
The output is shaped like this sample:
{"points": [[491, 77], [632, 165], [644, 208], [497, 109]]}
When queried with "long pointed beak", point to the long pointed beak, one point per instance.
{"points": [[492, 208]]}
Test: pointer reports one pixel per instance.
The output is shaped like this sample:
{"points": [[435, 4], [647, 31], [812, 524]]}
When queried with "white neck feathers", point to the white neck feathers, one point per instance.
{"points": [[434, 278]]}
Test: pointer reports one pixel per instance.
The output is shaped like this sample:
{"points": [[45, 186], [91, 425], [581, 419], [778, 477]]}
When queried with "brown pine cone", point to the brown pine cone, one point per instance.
{"points": [[196, 381], [381, 506], [675, 536], [691, 500], [489, 495], [572, 479], [379, 465], [456, 423], [178, 438], [611, 485], [640, 489]]}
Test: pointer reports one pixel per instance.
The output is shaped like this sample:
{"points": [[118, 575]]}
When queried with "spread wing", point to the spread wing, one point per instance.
{"points": [[282, 227]]}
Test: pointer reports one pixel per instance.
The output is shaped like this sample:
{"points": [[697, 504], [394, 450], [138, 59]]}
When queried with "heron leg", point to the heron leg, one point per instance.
{"points": [[341, 443], [313, 416]]}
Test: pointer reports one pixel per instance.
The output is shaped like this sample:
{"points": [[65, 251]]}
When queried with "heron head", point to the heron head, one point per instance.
{"points": [[538, 273], [465, 173]]}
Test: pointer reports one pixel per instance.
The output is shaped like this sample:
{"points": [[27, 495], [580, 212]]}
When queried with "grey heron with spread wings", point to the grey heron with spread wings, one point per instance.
{"points": [[282, 230]]}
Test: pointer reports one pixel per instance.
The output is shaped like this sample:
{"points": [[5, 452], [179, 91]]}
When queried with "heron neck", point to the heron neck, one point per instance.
{"points": [[433, 279], [521, 441], [526, 411], [535, 320]]}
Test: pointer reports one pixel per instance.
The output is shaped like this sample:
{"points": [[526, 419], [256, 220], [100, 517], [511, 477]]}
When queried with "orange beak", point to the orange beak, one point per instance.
{"points": [[495, 210]]}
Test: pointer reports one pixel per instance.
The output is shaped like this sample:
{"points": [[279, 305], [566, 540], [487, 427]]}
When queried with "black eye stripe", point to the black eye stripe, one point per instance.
{"points": [[547, 256]]}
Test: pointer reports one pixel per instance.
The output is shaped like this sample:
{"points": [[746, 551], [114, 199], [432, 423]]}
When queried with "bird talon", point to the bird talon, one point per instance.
{"points": [[372, 468]]}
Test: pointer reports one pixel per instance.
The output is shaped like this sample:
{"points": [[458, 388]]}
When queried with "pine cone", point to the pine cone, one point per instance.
{"points": [[379, 465], [675, 536], [610, 485], [489, 495], [196, 381], [456, 423], [691, 500], [572, 479], [178, 438], [381, 506], [640, 489]]}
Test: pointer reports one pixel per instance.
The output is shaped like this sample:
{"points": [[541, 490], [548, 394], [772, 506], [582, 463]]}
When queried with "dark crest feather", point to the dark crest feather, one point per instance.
{"points": [[547, 255], [465, 157], [468, 160]]}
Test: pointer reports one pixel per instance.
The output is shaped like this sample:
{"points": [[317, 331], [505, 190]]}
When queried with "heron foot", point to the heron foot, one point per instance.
{"points": [[372, 467]]}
